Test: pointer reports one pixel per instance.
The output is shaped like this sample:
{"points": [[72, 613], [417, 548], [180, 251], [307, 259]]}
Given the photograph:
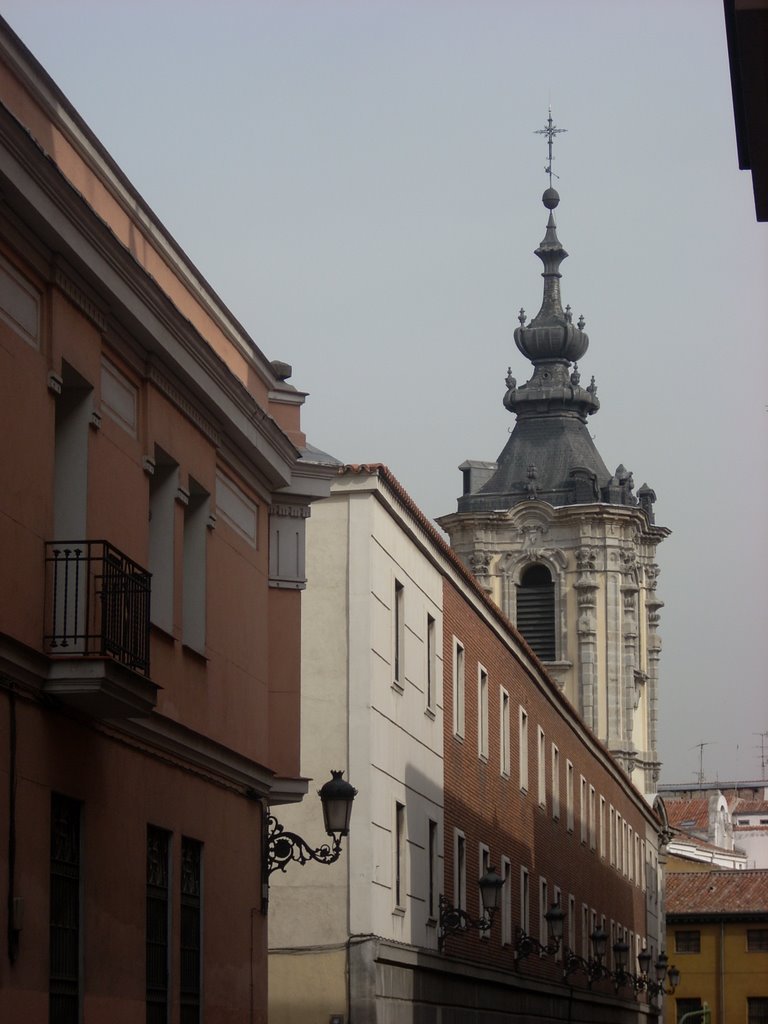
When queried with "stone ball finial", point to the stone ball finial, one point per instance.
{"points": [[550, 198]]}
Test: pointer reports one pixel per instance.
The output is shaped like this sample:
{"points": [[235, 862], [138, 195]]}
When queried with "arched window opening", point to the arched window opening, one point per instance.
{"points": [[536, 610]]}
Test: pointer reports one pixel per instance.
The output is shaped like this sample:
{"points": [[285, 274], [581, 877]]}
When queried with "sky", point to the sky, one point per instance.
{"points": [[360, 182]]}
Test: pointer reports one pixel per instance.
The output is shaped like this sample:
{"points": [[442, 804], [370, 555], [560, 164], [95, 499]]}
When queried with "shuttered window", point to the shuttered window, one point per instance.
{"points": [[536, 610]]}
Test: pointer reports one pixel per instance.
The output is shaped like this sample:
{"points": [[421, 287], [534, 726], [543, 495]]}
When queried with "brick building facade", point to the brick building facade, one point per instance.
{"points": [[446, 790], [149, 620]]}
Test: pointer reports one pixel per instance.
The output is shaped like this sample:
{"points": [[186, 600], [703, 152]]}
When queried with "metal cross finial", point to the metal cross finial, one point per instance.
{"points": [[550, 131]]}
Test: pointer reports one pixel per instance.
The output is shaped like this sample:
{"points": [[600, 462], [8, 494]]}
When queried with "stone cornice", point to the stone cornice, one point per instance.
{"points": [[97, 160], [34, 187]]}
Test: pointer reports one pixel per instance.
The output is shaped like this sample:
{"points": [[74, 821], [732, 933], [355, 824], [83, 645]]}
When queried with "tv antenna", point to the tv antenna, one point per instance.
{"points": [[763, 760], [700, 773]]}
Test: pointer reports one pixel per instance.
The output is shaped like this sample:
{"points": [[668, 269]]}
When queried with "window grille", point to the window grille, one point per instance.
{"points": [[158, 906], [683, 1006], [688, 942], [191, 931], [757, 1010], [757, 940], [64, 963]]}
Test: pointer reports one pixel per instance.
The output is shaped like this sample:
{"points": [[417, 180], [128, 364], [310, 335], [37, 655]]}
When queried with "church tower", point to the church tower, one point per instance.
{"points": [[563, 545]]}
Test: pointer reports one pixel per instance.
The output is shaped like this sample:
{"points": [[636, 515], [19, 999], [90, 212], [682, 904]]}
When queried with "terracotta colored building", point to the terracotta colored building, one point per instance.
{"points": [[155, 486], [717, 934]]}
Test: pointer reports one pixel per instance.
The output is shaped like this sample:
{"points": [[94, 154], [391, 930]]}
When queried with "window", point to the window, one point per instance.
{"points": [[484, 863], [569, 795], [399, 629], [619, 832], [541, 768], [592, 818], [190, 946], [630, 853], [525, 900], [163, 492], [757, 1010], [458, 688], [431, 663], [432, 868], [505, 752], [482, 712], [583, 808], [460, 870], [536, 610], [157, 925], [543, 908], [688, 941], [523, 750], [602, 827], [612, 834], [70, 461], [196, 513], [586, 945], [506, 902], [64, 982], [683, 1006], [572, 923], [555, 782], [757, 940], [399, 854]]}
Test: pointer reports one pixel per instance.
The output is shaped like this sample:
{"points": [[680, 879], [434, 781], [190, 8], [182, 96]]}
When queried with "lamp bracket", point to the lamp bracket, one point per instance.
{"points": [[283, 847]]}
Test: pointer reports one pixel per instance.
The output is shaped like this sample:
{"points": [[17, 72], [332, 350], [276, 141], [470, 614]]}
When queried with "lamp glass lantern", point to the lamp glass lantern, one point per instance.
{"points": [[674, 977], [490, 890], [660, 967], [555, 918], [599, 942], [336, 797], [620, 955], [644, 961]]}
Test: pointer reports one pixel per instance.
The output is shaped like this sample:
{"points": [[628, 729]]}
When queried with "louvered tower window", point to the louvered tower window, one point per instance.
{"points": [[536, 610]]}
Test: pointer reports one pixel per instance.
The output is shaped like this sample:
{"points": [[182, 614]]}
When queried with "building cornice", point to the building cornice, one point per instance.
{"points": [[33, 186], [63, 116]]}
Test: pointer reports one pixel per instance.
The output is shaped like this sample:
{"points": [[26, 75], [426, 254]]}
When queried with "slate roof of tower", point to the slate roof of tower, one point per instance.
{"points": [[550, 454]]}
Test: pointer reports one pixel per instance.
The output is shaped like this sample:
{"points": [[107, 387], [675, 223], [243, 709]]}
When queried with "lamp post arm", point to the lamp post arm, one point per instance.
{"points": [[454, 919], [283, 847]]}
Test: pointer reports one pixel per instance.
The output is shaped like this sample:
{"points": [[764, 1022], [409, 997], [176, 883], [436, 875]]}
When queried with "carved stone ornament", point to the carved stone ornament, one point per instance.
{"points": [[479, 562], [586, 559]]}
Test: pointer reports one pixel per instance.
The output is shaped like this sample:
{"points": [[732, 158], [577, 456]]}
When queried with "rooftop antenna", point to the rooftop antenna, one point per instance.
{"points": [[763, 762], [550, 130], [700, 773]]}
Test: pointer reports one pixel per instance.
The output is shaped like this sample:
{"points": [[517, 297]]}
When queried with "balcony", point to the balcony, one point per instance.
{"points": [[97, 629]]}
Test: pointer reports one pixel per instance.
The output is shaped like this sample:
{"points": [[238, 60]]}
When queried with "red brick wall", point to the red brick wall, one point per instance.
{"points": [[491, 809]]}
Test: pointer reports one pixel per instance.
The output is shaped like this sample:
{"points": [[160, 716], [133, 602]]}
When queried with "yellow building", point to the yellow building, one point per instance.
{"points": [[717, 935]]}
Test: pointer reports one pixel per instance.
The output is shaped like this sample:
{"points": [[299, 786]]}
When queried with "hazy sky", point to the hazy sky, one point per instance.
{"points": [[360, 183]]}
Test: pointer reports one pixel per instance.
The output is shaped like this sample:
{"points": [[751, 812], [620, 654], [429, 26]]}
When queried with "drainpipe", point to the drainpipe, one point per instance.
{"points": [[721, 995]]}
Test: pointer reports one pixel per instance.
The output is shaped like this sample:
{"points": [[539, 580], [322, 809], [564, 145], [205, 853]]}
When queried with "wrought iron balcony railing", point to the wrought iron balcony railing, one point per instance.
{"points": [[97, 603]]}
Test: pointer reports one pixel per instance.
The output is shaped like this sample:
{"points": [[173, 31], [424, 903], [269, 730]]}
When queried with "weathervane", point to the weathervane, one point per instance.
{"points": [[550, 131]]}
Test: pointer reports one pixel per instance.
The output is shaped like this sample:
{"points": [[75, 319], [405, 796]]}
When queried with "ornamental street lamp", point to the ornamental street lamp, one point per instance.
{"points": [[282, 847], [526, 944], [453, 919]]}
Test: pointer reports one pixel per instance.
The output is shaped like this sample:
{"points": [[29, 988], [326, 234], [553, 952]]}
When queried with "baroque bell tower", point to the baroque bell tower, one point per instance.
{"points": [[563, 545]]}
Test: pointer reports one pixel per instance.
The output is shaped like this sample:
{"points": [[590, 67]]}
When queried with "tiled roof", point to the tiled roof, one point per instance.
{"points": [[750, 807], [717, 892], [688, 814]]}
